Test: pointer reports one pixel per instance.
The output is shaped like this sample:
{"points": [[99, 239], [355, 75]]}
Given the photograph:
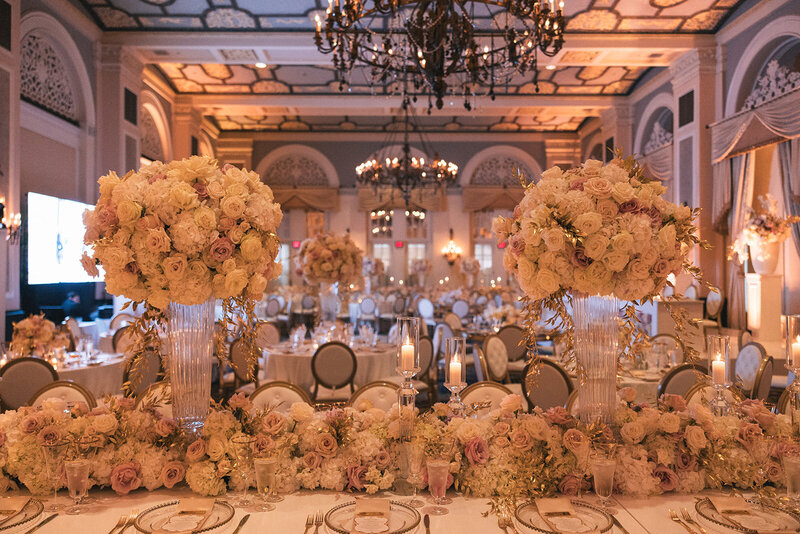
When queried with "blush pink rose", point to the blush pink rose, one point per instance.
{"points": [[273, 423], [79, 409], [195, 451], [172, 473], [477, 451], [575, 440], [125, 478], [748, 432], [202, 190], [382, 459], [356, 475], [766, 420], [165, 427], [676, 403], [668, 478], [520, 439], [568, 485], [127, 403], [221, 249], [774, 471], [312, 460], [326, 445], [501, 429], [30, 423], [239, 401], [557, 415], [49, 436], [261, 443], [685, 461]]}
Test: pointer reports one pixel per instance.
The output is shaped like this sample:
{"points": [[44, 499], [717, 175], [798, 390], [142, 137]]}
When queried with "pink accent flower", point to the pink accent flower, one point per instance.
{"points": [[221, 249], [326, 445], [382, 459], [196, 450], [501, 428], [575, 440], [477, 451], [568, 485], [517, 244], [579, 259], [356, 475], [261, 443], [685, 461], [30, 423], [668, 478], [312, 460], [748, 433], [127, 403], [125, 478], [676, 403], [557, 415], [202, 190], [172, 473], [165, 427], [239, 401], [273, 423], [49, 436]]}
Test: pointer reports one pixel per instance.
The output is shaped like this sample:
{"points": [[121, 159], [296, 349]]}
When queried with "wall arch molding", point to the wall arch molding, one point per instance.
{"points": [[659, 101], [304, 151], [152, 105], [500, 151]]}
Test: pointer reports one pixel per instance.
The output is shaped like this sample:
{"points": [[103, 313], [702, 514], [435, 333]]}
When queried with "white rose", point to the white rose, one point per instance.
{"points": [[595, 246], [547, 281], [607, 209], [300, 411], [215, 449], [588, 223], [615, 261], [695, 438], [553, 238], [622, 242], [669, 423], [56, 404], [511, 403], [622, 192], [632, 432], [553, 173], [233, 207], [105, 423], [597, 187]]}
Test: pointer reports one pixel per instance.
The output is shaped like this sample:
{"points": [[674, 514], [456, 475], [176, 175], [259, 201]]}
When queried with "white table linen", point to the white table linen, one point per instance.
{"points": [[93, 329], [102, 379], [637, 515], [295, 367]]}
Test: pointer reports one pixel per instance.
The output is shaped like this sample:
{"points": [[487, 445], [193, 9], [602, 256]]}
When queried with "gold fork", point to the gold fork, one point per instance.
{"points": [[121, 522], [688, 518], [309, 523], [318, 522], [674, 515], [129, 522]]}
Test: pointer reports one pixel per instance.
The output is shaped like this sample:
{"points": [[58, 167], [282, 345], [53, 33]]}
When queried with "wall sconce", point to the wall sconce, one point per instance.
{"points": [[451, 251], [11, 222]]}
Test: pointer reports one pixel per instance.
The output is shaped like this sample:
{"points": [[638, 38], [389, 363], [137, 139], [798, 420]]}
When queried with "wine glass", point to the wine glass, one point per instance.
{"points": [[84, 448], [603, 467], [437, 484], [791, 472], [416, 464], [53, 457], [242, 447], [77, 483]]}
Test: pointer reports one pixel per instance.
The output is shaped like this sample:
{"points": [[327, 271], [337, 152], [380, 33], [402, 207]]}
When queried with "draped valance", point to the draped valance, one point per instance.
{"points": [[389, 198], [772, 121], [314, 198], [477, 198], [658, 163]]}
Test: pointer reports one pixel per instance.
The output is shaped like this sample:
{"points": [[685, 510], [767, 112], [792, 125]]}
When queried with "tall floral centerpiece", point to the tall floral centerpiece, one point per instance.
{"points": [[371, 267], [174, 237], [419, 268], [590, 237], [36, 335], [332, 261], [470, 267], [763, 233]]}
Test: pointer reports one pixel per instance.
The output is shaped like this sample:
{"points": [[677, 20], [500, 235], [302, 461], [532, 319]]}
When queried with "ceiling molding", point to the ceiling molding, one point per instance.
{"points": [[434, 137]]}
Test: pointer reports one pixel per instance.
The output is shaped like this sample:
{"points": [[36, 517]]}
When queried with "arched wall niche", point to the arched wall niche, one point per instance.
{"points": [[156, 118], [652, 113], [595, 142], [297, 165], [493, 166]]}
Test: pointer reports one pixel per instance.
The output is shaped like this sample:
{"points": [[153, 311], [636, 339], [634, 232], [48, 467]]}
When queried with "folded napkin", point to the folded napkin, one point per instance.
{"points": [[11, 506], [555, 506], [730, 505], [371, 516]]}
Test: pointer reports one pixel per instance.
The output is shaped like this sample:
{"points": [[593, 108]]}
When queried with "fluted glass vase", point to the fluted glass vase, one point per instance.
{"points": [[328, 302], [596, 342], [190, 335]]}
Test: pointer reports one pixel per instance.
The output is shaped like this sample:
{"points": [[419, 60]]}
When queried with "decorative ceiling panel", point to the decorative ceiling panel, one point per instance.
{"points": [[619, 16], [310, 79]]}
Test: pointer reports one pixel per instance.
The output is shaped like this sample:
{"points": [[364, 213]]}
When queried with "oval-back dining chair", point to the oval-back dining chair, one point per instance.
{"points": [[279, 396], [461, 308], [496, 357], [748, 363], [552, 386], [334, 367], [21, 378], [681, 378], [267, 335], [66, 390], [136, 380], [377, 394], [159, 395], [491, 393]]}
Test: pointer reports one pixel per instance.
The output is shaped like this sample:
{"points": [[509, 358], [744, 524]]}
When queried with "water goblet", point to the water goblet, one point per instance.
{"points": [[437, 484], [84, 448], [266, 481], [53, 452], [242, 448], [77, 472], [791, 471], [603, 467], [416, 464]]}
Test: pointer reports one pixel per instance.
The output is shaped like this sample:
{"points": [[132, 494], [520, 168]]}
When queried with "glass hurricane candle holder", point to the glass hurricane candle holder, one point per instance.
{"points": [[793, 365], [718, 368], [407, 366], [455, 372]]}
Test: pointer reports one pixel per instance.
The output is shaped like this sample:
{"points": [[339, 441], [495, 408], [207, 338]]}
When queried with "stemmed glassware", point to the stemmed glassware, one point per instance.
{"points": [[53, 452], [242, 447], [416, 464], [266, 481], [603, 466], [77, 483], [437, 484]]}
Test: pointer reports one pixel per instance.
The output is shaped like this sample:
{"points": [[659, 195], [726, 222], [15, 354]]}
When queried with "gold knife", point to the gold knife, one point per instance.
{"points": [[622, 529], [241, 524], [427, 522], [37, 527]]}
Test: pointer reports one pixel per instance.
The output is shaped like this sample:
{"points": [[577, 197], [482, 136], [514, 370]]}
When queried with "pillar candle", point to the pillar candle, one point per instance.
{"points": [[407, 357], [718, 371], [455, 372], [795, 353]]}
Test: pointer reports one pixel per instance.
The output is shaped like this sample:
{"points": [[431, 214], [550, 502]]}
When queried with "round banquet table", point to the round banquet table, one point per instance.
{"points": [[645, 385], [103, 378], [295, 367], [637, 515]]}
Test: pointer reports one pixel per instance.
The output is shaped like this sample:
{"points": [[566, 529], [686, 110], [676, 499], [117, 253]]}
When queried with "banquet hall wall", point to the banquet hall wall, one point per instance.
{"points": [[35, 157]]}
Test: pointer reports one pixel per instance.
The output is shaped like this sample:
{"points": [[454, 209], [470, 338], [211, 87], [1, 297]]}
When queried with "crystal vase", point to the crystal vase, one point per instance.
{"points": [[190, 335], [596, 343], [328, 301]]}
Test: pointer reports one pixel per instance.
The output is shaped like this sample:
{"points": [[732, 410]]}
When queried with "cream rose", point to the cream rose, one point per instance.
{"points": [[597, 187], [128, 212], [669, 423], [216, 449], [588, 223], [695, 438], [595, 246], [232, 207], [622, 192], [553, 239], [633, 432]]}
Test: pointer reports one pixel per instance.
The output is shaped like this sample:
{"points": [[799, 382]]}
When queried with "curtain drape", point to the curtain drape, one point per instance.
{"points": [[742, 171], [755, 127], [658, 163], [789, 157], [721, 199], [478, 198], [316, 198]]}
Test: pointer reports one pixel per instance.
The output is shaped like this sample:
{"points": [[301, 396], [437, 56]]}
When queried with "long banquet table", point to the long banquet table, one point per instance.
{"points": [[636, 515]]}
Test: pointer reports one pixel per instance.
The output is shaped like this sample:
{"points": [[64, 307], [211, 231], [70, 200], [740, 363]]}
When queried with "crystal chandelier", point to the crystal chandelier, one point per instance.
{"points": [[433, 46], [405, 172]]}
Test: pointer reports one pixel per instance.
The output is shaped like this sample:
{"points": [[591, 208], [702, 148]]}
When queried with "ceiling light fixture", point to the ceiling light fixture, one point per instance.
{"points": [[434, 47], [261, 65], [387, 170]]}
